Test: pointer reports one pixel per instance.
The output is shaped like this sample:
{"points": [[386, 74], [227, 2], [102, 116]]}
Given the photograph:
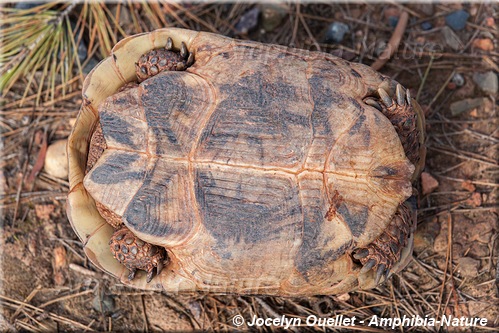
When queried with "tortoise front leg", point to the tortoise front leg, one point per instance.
{"points": [[385, 251], [164, 59]]}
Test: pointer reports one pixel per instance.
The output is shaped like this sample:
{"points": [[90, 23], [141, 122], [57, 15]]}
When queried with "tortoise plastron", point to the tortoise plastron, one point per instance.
{"points": [[239, 167]]}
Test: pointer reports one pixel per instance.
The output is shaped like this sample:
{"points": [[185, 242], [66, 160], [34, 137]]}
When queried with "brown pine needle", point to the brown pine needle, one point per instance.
{"points": [[394, 42]]}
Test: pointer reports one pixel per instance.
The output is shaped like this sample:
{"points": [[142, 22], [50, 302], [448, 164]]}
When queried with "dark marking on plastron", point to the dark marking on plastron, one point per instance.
{"points": [[356, 104], [247, 47], [164, 98], [355, 73], [246, 93], [359, 130], [358, 124], [282, 94], [254, 113], [313, 256], [383, 171], [390, 171], [324, 99], [225, 55], [233, 216], [355, 216], [117, 128], [205, 47], [116, 169], [146, 211]]}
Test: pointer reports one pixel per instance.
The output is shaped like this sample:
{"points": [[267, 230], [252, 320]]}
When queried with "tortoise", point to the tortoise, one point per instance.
{"points": [[204, 163]]}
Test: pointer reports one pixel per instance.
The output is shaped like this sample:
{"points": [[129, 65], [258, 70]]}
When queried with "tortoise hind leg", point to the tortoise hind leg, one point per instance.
{"points": [[136, 254], [407, 118], [386, 250]]}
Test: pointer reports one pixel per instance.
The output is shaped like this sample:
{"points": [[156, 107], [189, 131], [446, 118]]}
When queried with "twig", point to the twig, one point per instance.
{"points": [[424, 78], [10, 302], [26, 300], [393, 43], [144, 313], [63, 298]]}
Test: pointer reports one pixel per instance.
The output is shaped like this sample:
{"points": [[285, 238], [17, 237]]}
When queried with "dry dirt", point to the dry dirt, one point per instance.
{"points": [[47, 284]]}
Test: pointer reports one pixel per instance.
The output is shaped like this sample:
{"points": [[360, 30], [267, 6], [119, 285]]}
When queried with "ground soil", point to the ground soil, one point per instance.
{"points": [[47, 283]]}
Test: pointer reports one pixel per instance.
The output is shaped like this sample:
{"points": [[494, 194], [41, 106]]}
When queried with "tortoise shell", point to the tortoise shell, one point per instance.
{"points": [[259, 168]]}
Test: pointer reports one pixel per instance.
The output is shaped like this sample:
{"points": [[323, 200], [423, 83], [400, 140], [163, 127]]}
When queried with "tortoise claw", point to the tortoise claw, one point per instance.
{"points": [[183, 51], [131, 274], [373, 103], [190, 60], [387, 274], [399, 91], [380, 272], [408, 97], [159, 268], [385, 98], [367, 267], [169, 44], [362, 253], [394, 247], [150, 274]]}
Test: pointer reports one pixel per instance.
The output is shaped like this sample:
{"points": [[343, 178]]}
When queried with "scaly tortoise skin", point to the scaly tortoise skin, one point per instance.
{"points": [[243, 168]]}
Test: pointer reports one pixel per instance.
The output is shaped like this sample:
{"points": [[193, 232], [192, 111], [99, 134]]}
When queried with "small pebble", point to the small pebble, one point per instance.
{"points": [[393, 20], [272, 15], [475, 200], [458, 80], [43, 211], [457, 20], [343, 297], [56, 160], [104, 304], [451, 39], [490, 22], [336, 32], [485, 44], [487, 82], [468, 267], [391, 12], [248, 21], [392, 16], [474, 113], [426, 26], [428, 183], [425, 234], [464, 105], [468, 186]]}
